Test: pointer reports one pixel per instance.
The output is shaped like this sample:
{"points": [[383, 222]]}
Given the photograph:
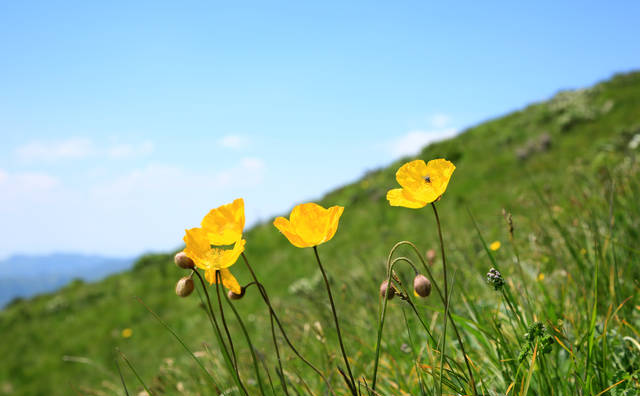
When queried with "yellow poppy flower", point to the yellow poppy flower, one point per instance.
{"points": [[224, 224], [212, 259], [127, 333], [310, 224], [421, 183], [495, 245]]}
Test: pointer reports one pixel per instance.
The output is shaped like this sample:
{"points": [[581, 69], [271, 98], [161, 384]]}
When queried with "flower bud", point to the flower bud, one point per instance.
{"points": [[421, 285], [234, 296], [183, 261], [431, 256], [495, 279], [386, 288], [184, 287]]}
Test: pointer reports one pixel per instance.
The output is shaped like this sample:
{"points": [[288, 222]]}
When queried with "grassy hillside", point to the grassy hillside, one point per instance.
{"points": [[566, 169]]}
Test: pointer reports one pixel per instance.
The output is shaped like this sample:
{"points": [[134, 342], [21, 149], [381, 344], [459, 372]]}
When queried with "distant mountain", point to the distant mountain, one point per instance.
{"points": [[25, 276]]}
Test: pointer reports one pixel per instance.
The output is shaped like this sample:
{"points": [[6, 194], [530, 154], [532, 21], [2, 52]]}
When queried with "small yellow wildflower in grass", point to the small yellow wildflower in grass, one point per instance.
{"points": [[540, 277], [221, 226], [422, 183], [309, 224], [495, 245], [127, 333]]}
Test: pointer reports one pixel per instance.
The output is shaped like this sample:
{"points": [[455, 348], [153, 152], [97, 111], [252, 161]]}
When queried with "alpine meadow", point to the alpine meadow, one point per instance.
{"points": [[503, 261]]}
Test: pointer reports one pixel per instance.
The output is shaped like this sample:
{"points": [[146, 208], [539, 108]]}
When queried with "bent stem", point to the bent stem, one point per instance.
{"points": [[437, 287], [265, 298], [352, 382]]}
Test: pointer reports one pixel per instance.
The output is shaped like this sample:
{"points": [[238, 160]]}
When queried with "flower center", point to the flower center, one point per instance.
{"points": [[427, 179]]}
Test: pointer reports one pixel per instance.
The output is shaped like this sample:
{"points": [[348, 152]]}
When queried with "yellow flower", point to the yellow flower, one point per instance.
{"points": [[421, 183], [127, 333], [495, 245], [310, 224], [540, 277], [224, 224], [212, 259]]}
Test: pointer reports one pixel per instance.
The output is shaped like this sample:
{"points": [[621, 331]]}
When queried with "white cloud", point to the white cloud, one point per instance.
{"points": [[20, 187], [79, 148], [234, 142], [130, 150], [439, 121], [73, 148], [411, 143]]}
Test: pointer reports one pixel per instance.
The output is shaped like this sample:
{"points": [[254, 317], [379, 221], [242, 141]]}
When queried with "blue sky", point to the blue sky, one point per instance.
{"points": [[123, 123]]}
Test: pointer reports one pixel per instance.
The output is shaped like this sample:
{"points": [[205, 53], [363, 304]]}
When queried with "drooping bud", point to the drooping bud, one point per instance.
{"points": [[431, 256], [386, 288], [234, 296], [183, 261], [494, 278], [421, 285], [184, 287]]}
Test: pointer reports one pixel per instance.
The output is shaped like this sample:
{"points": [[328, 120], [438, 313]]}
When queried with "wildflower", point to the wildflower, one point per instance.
{"points": [[127, 333], [309, 224], [183, 261], [494, 278], [213, 259], [540, 277], [421, 183], [221, 226], [495, 246], [387, 288], [184, 287], [421, 286]]}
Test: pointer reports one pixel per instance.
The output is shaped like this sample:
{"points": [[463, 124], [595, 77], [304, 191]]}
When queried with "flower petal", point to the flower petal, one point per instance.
{"points": [[332, 224], [197, 247], [224, 225], [411, 175], [229, 281], [229, 257], [440, 171], [284, 226], [399, 197]]}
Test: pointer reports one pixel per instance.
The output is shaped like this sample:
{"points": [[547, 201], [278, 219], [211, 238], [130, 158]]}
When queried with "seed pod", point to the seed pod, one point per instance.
{"points": [[183, 261], [184, 287], [422, 285], [234, 296], [387, 288]]}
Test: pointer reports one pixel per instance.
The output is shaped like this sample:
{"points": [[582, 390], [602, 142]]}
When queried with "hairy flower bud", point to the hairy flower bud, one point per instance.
{"points": [[386, 288], [184, 287], [431, 256], [234, 296], [183, 261], [422, 285]]}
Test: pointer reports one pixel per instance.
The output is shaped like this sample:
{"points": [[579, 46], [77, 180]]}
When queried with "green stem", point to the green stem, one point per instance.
{"points": [[352, 384], [265, 298], [446, 293], [246, 336], [225, 353], [223, 320]]}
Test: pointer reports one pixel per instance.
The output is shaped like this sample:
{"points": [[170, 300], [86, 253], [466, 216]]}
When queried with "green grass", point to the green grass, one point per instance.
{"points": [[572, 266]]}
